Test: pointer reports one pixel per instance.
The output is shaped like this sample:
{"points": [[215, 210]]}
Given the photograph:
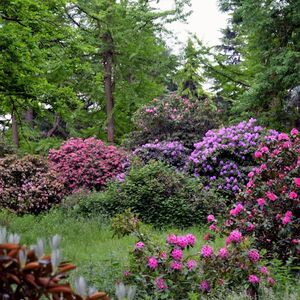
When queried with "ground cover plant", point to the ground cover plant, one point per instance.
{"points": [[27, 185], [225, 156], [87, 163]]}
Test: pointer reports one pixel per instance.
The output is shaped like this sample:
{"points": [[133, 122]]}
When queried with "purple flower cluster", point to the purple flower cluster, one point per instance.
{"points": [[172, 153], [225, 156]]}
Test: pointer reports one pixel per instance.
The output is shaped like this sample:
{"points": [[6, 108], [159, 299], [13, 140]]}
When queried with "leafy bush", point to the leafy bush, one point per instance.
{"points": [[224, 157], [27, 184], [269, 208], [171, 153], [173, 118], [176, 269], [87, 163], [5, 147], [30, 274], [159, 194]]}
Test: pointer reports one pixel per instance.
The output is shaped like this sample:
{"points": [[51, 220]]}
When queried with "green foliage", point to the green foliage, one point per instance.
{"points": [[5, 146], [158, 194]]}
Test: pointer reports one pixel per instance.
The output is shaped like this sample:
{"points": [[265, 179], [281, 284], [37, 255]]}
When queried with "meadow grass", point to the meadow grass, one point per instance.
{"points": [[99, 255]]}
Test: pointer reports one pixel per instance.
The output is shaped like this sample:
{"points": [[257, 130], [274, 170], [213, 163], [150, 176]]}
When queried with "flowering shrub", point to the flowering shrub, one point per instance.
{"points": [[173, 118], [171, 153], [30, 274], [87, 163], [27, 184], [224, 157], [269, 208], [180, 267], [160, 195]]}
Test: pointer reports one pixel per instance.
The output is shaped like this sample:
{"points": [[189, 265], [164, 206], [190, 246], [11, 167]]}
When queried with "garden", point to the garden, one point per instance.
{"points": [[126, 179]]}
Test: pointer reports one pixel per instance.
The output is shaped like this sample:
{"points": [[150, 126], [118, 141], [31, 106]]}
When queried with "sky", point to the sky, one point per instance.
{"points": [[206, 21]]}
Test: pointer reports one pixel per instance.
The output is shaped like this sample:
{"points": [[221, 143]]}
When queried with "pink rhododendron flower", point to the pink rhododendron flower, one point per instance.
{"points": [[177, 254], [191, 239], [250, 227], [164, 255], [297, 182], [253, 255], [171, 239], [204, 286], [258, 154], [283, 137], [287, 218], [271, 281], [251, 174], [223, 253], [235, 211], [261, 201], [295, 241], [175, 265], [235, 236], [152, 263], [191, 264], [207, 251], [182, 241], [271, 196], [211, 218], [264, 149], [139, 246], [253, 279], [263, 167], [293, 195], [213, 227], [160, 283], [294, 132], [264, 270]]}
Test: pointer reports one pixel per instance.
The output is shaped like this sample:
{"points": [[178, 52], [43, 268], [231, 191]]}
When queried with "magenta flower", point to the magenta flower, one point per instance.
{"points": [[182, 241], [271, 196], [250, 227], [204, 286], [139, 246], [191, 239], [191, 264], [164, 255], [235, 236], [294, 132], [253, 279], [283, 137], [297, 182], [223, 253], [271, 281], [152, 263], [293, 195], [264, 270], [160, 284], [172, 239], [261, 202], [213, 227], [253, 255], [175, 265], [211, 218], [177, 254], [207, 251], [258, 154]]}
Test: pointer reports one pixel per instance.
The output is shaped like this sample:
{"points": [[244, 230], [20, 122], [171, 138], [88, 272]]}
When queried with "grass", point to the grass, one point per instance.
{"points": [[100, 257]]}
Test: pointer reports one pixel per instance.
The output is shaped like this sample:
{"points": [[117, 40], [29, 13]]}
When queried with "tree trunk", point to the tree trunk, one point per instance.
{"points": [[15, 131], [108, 85], [29, 117]]}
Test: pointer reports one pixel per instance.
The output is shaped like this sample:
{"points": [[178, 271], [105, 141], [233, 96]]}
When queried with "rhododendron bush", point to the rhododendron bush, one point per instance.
{"points": [[182, 266], [27, 184], [87, 163], [224, 157], [173, 118], [269, 207], [171, 153]]}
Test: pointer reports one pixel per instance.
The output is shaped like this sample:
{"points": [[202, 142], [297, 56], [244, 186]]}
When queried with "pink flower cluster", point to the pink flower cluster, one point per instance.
{"points": [[181, 241], [238, 208], [253, 255], [207, 251], [87, 163]]}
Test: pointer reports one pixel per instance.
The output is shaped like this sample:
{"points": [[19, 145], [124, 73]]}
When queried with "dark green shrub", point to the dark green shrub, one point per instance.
{"points": [[5, 147], [159, 194]]}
